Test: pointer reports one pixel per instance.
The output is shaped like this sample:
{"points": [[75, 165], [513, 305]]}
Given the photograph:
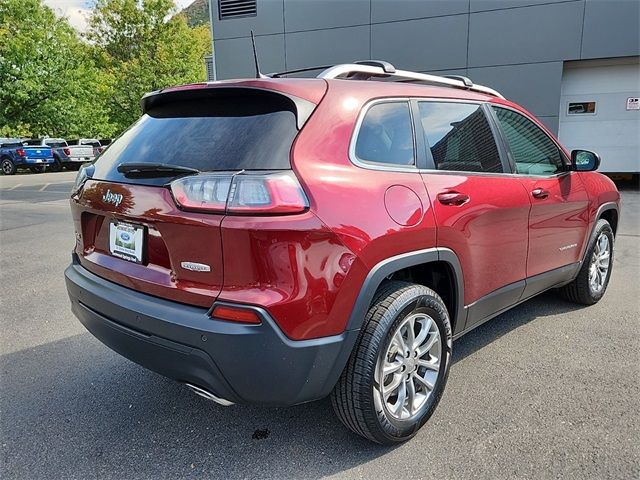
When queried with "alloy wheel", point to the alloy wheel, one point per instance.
{"points": [[600, 263], [407, 373]]}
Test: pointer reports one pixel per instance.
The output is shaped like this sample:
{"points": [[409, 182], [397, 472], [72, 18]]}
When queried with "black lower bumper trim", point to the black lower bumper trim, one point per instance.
{"points": [[236, 362]]}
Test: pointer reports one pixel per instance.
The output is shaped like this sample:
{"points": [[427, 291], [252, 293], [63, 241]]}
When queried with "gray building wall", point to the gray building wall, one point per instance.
{"points": [[515, 46]]}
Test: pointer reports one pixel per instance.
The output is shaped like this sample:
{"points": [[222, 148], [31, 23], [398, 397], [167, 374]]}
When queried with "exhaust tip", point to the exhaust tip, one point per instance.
{"points": [[208, 395]]}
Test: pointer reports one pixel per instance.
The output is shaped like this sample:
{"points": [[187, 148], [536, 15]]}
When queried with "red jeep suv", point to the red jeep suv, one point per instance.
{"points": [[277, 240]]}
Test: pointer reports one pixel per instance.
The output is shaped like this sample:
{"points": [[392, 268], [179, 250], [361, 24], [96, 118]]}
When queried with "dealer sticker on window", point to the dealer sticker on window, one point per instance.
{"points": [[126, 241]]}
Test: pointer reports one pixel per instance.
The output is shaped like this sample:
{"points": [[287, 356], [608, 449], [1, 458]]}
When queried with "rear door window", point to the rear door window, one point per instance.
{"points": [[230, 133], [386, 135], [459, 137]]}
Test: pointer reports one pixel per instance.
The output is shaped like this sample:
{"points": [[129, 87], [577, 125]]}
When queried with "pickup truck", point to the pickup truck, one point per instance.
{"points": [[94, 142], [69, 155], [14, 155]]}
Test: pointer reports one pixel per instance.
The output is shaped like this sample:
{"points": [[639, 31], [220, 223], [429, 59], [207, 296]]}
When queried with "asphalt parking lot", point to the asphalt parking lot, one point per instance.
{"points": [[546, 390]]}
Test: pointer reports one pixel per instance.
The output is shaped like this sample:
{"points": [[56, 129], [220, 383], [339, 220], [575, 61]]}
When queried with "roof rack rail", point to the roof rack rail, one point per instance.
{"points": [[298, 70], [367, 69]]}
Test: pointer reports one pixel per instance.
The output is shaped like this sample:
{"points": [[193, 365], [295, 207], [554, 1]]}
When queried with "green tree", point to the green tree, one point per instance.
{"points": [[143, 46], [49, 83]]}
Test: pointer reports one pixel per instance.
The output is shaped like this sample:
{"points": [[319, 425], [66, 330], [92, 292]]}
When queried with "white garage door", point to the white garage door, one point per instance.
{"points": [[600, 111]]}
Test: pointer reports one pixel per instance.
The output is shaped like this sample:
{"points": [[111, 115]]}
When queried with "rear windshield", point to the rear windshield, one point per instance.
{"points": [[56, 144], [209, 134]]}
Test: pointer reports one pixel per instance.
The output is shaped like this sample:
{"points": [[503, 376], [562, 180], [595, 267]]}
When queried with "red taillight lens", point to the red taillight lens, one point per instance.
{"points": [[249, 194], [202, 192], [67, 151], [270, 194], [233, 314], [21, 152]]}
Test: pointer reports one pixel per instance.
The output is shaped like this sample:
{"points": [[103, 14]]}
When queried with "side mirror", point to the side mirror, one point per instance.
{"points": [[585, 160]]}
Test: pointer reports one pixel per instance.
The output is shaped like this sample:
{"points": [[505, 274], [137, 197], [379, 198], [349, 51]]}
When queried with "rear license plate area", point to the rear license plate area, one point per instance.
{"points": [[127, 241]]}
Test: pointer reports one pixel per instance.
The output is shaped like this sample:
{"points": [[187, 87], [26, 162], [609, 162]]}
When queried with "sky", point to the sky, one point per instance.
{"points": [[77, 11]]}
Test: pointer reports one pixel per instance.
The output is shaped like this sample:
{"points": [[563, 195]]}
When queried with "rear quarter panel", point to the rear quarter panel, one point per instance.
{"points": [[350, 200], [601, 190]]}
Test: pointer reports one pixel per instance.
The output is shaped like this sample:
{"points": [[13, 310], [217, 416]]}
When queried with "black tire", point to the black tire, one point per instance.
{"points": [[580, 289], [56, 166], [38, 169], [7, 166], [353, 397], [73, 166]]}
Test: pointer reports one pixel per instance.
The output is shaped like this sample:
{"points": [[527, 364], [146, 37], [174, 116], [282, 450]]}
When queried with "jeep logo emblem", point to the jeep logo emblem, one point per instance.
{"points": [[115, 198]]}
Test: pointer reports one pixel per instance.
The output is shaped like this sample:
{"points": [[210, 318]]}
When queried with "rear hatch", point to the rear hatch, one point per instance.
{"points": [[146, 226], [37, 153], [83, 152]]}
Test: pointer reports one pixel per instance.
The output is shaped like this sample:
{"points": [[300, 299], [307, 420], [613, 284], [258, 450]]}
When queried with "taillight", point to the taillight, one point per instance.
{"points": [[67, 151], [21, 152], [246, 193], [202, 192], [84, 173]]}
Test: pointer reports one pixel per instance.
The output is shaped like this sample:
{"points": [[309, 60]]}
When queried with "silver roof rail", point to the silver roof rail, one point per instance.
{"points": [[384, 70]]}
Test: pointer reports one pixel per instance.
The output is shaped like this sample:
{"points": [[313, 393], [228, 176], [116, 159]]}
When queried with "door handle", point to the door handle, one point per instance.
{"points": [[540, 193], [453, 198]]}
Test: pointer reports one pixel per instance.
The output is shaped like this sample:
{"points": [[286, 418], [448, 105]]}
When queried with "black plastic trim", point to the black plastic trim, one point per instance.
{"points": [[419, 140], [391, 265], [601, 209], [495, 301], [241, 363], [508, 163], [553, 278]]}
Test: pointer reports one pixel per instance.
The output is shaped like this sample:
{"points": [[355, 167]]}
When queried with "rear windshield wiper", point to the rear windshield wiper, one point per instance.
{"points": [[154, 170]]}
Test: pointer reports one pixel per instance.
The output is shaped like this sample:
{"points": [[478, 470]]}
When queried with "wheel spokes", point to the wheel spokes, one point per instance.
{"points": [[388, 390], [390, 368], [435, 365], [424, 382], [407, 373], [600, 263], [425, 326], [426, 348]]}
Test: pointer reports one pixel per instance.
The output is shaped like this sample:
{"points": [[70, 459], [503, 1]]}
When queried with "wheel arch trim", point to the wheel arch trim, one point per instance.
{"points": [[383, 269], [601, 209]]}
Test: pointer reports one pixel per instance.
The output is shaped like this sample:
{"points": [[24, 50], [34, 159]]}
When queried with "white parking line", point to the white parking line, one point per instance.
{"points": [[15, 186], [44, 186]]}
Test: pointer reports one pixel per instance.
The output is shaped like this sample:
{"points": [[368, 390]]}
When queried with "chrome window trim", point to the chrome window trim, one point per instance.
{"points": [[387, 167], [490, 174]]}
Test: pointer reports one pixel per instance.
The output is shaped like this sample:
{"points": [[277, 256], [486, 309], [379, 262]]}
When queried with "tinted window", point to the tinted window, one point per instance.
{"points": [[532, 149], [460, 137], [234, 132], [52, 142], [386, 135], [10, 142]]}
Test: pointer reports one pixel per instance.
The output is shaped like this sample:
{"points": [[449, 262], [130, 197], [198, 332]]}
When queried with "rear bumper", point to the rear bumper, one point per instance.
{"points": [[79, 159], [34, 161], [238, 363]]}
